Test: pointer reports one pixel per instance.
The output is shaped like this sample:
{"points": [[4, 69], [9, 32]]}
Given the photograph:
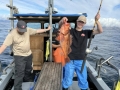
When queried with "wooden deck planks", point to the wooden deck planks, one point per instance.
{"points": [[50, 77]]}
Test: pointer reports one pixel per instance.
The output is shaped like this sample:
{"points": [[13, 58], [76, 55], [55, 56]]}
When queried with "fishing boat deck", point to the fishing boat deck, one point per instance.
{"points": [[50, 77], [28, 85]]}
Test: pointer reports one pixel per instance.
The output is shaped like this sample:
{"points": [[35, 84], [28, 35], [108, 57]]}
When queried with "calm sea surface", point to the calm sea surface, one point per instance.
{"points": [[108, 44]]}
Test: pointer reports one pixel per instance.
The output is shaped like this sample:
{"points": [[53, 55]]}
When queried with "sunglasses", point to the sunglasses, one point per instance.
{"points": [[80, 22]]}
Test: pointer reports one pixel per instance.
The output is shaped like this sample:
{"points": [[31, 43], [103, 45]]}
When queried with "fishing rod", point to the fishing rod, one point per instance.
{"points": [[89, 43]]}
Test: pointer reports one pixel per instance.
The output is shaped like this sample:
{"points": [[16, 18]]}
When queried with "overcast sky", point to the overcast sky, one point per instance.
{"points": [[110, 10]]}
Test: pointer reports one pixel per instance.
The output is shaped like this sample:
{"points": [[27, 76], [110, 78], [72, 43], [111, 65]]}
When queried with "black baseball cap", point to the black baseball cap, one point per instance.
{"points": [[21, 25]]}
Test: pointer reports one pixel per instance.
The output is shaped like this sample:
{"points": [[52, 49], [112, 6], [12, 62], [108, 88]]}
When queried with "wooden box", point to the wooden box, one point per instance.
{"points": [[36, 42], [37, 58]]}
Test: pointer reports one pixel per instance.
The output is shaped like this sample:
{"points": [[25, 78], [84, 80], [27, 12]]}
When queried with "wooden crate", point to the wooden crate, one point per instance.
{"points": [[37, 58], [37, 48], [36, 42]]}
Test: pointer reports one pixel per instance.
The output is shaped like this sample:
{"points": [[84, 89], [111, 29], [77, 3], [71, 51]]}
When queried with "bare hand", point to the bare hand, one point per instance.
{"points": [[49, 28], [64, 19], [97, 17]]}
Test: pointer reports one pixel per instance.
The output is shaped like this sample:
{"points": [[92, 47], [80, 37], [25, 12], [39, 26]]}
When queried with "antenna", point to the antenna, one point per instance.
{"points": [[54, 10]]}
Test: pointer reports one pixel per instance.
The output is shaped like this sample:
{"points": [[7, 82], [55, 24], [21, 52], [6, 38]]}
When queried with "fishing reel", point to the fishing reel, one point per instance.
{"points": [[88, 51]]}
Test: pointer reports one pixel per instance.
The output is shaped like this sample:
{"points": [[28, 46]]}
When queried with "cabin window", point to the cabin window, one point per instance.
{"points": [[46, 25], [34, 25], [38, 25], [54, 26], [72, 25]]}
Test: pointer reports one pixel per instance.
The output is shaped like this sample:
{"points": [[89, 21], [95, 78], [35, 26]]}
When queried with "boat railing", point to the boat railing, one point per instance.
{"points": [[107, 61], [118, 70], [98, 66], [101, 62], [0, 70], [3, 72]]}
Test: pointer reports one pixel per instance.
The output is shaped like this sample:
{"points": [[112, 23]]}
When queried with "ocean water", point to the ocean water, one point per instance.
{"points": [[5, 57], [108, 44]]}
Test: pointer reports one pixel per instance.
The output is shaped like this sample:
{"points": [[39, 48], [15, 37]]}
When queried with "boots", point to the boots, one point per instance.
{"points": [[65, 89]]}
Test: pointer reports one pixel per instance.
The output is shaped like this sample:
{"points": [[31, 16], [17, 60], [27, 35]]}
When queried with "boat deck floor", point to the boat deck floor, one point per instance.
{"points": [[28, 85]]}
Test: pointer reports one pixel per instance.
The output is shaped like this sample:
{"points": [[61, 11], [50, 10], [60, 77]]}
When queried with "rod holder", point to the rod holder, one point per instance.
{"points": [[98, 66], [100, 63], [107, 60]]}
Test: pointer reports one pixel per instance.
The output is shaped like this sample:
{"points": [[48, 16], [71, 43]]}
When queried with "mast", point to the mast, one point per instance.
{"points": [[11, 13], [12, 19], [50, 5], [13, 10]]}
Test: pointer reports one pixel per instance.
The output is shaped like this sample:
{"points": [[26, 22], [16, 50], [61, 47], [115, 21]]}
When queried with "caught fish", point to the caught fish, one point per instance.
{"points": [[65, 41]]}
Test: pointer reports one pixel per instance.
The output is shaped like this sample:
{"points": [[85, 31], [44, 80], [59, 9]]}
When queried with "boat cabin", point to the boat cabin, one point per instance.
{"points": [[38, 41]]}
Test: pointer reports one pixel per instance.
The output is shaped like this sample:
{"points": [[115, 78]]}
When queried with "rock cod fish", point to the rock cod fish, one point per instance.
{"points": [[61, 53]]}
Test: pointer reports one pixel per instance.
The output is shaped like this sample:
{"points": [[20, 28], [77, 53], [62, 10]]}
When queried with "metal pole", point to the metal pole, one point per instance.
{"points": [[50, 21], [99, 68], [11, 14], [12, 21], [107, 59]]}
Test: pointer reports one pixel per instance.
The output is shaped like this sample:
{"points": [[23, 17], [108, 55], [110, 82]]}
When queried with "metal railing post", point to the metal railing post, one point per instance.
{"points": [[99, 67], [100, 63], [11, 14], [50, 21]]}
